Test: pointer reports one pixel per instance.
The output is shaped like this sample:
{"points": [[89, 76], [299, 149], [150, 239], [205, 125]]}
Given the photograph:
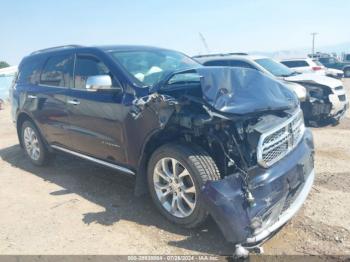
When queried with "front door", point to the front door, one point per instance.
{"points": [[96, 117]]}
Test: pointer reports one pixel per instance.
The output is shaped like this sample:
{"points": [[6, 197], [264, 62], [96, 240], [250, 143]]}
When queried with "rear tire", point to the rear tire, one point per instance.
{"points": [[193, 167], [33, 144], [347, 72]]}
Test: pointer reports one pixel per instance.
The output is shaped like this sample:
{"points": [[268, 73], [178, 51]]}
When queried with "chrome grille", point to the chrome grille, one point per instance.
{"points": [[278, 142]]}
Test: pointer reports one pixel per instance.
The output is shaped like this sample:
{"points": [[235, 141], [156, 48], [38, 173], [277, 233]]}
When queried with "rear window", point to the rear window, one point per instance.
{"points": [[295, 63], [217, 63], [29, 71], [58, 71], [231, 63], [237, 63]]}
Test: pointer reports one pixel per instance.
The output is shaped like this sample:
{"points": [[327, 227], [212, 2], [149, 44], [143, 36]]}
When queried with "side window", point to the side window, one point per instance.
{"points": [[302, 63], [29, 71], [324, 60], [331, 60], [216, 63], [58, 71], [237, 63], [86, 66], [295, 63], [288, 63]]}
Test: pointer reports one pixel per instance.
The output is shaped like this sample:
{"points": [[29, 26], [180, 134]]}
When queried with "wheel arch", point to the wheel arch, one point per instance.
{"points": [[156, 139], [21, 118]]}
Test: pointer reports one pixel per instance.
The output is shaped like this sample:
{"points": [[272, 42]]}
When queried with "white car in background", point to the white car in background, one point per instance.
{"points": [[323, 99], [308, 65]]}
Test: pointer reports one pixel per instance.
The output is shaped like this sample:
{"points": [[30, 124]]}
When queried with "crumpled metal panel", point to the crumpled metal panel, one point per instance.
{"points": [[242, 90], [272, 188]]}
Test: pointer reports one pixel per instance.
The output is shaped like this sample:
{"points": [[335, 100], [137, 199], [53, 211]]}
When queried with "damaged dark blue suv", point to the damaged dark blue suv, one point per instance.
{"points": [[219, 141]]}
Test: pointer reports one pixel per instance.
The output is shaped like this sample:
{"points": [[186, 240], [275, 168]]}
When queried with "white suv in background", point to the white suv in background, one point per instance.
{"points": [[323, 99], [307, 65]]}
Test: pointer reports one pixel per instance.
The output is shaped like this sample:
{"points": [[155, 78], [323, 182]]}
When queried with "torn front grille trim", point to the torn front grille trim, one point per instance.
{"points": [[279, 141]]}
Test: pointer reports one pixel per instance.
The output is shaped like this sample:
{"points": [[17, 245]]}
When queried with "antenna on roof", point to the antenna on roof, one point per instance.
{"points": [[202, 38]]}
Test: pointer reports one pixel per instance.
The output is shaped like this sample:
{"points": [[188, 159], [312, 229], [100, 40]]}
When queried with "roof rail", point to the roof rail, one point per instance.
{"points": [[221, 54], [55, 48]]}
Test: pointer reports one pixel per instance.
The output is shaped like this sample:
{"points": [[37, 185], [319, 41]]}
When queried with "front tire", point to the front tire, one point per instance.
{"points": [[176, 174], [33, 144], [347, 72]]}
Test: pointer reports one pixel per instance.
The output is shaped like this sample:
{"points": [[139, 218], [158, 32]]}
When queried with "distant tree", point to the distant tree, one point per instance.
{"points": [[3, 64]]}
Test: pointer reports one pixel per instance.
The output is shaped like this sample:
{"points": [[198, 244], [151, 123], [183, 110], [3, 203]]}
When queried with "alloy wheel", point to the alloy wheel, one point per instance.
{"points": [[31, 143], [174, 187]]}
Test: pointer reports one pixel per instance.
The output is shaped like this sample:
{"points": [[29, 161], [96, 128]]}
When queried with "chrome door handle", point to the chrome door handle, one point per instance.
{"points": [[73, 102], [32, 97]]}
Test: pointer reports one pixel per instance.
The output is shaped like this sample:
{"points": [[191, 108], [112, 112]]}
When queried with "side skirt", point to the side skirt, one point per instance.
{"points": [[95, 160]]}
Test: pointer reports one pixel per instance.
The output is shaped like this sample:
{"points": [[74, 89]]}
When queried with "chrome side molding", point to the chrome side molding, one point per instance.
{"points": [[92, 159]]}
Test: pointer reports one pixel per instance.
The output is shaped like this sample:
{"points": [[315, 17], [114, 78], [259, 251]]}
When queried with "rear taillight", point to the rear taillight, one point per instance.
{"points": [[316, 68]]}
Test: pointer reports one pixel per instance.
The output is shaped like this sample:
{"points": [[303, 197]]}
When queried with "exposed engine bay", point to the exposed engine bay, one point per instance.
{"points": [[227, 121], [323, 104], [253, 128]]}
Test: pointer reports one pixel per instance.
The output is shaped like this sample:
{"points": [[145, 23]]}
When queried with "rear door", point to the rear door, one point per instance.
{"points": [[47, 94], [96, 117]]}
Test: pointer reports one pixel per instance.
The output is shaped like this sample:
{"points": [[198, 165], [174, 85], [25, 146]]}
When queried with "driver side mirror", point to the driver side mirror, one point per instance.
{"points": [[100, 82]]}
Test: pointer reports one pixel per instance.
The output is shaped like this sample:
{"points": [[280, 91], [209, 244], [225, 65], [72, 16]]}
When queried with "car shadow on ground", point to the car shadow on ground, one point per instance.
{"points": [[115, 192]]}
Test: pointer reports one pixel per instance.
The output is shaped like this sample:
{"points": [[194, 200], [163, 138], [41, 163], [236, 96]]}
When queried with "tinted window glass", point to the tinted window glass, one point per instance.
{"points": [[216, 63], [88, 66], [347, 57], [58, 71], [29, 71], [237, 63], [324, 60], [296, 63]]}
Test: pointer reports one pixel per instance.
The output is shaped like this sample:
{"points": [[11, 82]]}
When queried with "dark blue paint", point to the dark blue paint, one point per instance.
{"points": [[225, 198]]}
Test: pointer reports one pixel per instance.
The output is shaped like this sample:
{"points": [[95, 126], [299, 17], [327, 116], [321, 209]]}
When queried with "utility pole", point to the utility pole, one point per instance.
{"points": [[313, 43]]}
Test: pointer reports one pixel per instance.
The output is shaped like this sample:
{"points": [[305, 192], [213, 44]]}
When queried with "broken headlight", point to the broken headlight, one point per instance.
{"points": [[318, 92]]}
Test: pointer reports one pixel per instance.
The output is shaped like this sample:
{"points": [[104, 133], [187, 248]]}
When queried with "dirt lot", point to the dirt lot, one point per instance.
{"points": [[75, 207]]}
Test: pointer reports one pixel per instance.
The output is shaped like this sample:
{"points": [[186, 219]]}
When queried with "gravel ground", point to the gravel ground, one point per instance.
{"points": [[76, 207]]}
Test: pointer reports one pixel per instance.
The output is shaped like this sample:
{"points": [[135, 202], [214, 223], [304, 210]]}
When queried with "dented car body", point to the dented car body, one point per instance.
{"points": [[256, 196], [323, 99], [234, 138]]}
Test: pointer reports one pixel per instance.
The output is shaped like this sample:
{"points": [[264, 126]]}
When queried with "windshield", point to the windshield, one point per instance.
{"points": [[150, 66], [275, 68]]}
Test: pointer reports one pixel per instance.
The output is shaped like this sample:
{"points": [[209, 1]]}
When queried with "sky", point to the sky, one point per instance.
{"points": [[227, 25]]}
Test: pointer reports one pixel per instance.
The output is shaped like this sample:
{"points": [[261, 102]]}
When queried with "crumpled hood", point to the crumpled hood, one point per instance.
{"points": [[315, 79], [243, 91]]}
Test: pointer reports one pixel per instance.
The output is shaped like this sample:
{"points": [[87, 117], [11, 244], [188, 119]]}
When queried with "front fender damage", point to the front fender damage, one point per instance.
{"points": [[224, 123], [278, 191]]}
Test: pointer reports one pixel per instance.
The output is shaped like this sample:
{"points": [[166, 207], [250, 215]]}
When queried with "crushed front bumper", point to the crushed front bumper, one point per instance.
{"points": [[340, 105], [279, 192]]}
